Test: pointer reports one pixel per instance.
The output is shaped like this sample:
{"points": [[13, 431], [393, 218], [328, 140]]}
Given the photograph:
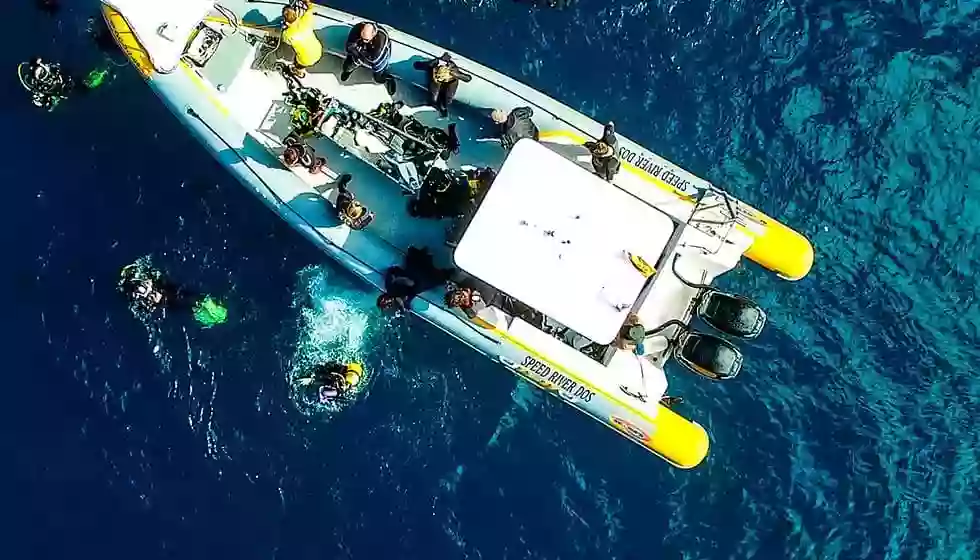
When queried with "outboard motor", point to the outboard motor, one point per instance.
{"points": [[708, 355], [731, 314]]}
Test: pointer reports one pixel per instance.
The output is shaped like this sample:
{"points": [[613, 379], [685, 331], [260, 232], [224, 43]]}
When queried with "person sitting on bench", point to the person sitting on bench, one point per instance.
{"points": [[351, 212]]}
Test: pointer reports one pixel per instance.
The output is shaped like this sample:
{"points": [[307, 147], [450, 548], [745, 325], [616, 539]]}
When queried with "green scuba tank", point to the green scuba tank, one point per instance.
{"points": [[209, 312], [96, 78]]}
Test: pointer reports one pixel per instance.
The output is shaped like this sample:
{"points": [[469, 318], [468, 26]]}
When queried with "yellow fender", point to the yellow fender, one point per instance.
{"points": [[781, 249], [678, 440]]}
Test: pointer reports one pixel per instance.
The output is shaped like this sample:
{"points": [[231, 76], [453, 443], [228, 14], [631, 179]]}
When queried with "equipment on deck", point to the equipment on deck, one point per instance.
{"points": [[731, 314], [708, 355], [727, 313], [203, 46]]}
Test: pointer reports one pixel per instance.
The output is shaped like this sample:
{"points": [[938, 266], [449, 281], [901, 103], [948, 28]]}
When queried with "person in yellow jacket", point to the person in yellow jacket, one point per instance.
{"points": [[300, 34]]}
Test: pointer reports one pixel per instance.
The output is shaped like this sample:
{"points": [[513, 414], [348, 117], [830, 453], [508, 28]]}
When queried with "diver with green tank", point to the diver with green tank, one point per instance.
{"points": [[149, 291]]}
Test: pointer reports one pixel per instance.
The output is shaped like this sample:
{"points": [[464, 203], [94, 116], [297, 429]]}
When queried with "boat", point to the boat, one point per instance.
{"points": [[588, 287]]}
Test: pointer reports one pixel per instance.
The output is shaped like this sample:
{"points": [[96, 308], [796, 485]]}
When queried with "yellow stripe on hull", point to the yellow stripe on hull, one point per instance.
{"points": [[127, 40], [777, 248]]}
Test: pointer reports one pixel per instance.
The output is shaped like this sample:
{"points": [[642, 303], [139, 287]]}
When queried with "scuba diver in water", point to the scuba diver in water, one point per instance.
{"points": [[149, 291], [49, 84], [333, 380], [46, 82]]}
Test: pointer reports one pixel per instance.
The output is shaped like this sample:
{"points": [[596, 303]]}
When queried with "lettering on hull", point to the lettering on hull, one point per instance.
{"points": [[549, 378], [665, 173]]}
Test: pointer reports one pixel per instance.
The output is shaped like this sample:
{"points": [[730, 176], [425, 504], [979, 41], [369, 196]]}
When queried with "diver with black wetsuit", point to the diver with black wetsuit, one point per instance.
{"points": [[368, 45], [402, 284], [443, 76], [605, 160], [48, 84], [333, 380], [149, 290], [514, 126]]}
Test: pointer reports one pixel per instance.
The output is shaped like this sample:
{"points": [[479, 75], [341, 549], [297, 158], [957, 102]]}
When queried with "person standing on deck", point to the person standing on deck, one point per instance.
{"points": [[514, 126], [444, 77], [604, 159], [368, 45], [299, 33]]}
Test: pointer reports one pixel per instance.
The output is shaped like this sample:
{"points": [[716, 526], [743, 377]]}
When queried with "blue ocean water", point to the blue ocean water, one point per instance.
{"points": [[849, 434]]}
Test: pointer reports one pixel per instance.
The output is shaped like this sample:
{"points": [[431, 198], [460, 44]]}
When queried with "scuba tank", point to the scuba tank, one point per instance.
{"points": [[96, 78], [210, 312]]}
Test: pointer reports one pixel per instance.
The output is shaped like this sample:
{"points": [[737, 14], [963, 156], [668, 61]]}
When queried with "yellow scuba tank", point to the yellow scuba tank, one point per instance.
{"points": [[442, 74], [353, 373]]}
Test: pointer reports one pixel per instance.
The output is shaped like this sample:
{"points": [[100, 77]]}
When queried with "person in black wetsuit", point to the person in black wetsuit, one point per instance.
{"points": [[444, 77], [368, 45], [350, 211], [605, 160], [402, 284], [47, 82], [150, 291], [514, 125], [333, 380], [445, 193]]}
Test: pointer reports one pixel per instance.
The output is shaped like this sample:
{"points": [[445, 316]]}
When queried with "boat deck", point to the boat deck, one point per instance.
{"points": [[255, 96], [253, 90]]}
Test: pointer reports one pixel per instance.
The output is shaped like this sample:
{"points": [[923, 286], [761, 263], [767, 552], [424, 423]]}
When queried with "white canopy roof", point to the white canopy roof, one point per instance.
{"points": [[555, 236], [163, 27]]}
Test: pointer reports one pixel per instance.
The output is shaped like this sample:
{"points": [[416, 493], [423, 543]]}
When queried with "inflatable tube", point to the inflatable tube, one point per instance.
{"points": [[780, 249], [678, 440], [127, 40]]}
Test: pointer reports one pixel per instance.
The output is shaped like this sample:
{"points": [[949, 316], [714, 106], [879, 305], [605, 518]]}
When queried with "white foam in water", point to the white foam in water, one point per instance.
{"points": [[334, 325]]}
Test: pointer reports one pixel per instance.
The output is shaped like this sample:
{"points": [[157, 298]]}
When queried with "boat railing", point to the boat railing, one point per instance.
{"points": [[715, 214]]}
